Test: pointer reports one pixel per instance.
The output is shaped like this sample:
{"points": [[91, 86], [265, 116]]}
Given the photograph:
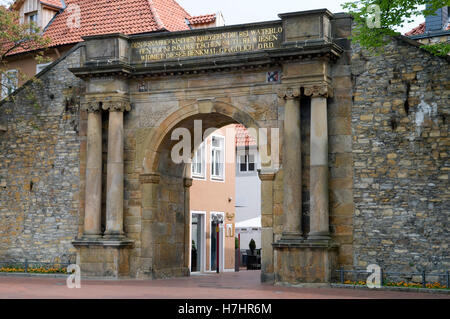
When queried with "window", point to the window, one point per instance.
{"points": [[9, 82], [42, 66], [198, 162], [217, 157], [247, 163], [32, 20]]}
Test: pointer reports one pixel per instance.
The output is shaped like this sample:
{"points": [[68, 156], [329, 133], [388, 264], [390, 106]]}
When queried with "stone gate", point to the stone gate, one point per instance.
{"points": [[280, 74]]}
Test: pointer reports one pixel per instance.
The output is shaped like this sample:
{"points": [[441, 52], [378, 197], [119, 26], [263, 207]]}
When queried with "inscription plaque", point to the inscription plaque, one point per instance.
{"points": [[212, 43]]}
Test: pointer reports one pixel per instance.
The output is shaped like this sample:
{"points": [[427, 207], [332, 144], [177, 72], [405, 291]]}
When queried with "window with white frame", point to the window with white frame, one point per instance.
{"points": [[247, 163], [217, 157], [10, 82], [199, 162]]}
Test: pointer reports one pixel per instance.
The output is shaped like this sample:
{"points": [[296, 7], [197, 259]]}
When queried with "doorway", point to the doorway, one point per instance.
{"points": [[198, 241], [217, 241]]}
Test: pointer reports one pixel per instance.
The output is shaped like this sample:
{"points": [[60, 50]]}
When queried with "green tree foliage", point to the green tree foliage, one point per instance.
{"points": [[14, 38], [392, 13]]}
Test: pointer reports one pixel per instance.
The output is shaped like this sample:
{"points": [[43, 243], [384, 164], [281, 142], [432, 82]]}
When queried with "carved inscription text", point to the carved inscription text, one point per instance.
{"points": [[229, 42]]}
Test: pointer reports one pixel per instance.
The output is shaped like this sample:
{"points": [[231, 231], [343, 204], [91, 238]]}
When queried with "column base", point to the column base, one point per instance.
{"points": [[89, 237], [104, 258], [319, 236], [114, 237], [291, 237], [307, 261]]}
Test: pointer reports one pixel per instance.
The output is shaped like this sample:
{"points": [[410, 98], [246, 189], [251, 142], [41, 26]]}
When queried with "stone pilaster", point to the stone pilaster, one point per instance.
{"points": [[115, 169], [319, 198], [93, 197], [267, 177], [187, 221], [150, 184], [292, 167]]}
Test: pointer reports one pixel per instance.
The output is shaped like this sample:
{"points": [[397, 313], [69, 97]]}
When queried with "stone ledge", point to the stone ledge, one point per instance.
{"points": [[323, 244], [303, 285], [103, 242]]}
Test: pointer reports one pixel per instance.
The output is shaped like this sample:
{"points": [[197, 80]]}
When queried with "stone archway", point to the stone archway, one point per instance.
{"points": [[258, 85]]}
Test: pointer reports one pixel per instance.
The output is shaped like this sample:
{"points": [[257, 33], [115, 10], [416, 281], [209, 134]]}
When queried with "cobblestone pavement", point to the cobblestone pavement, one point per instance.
{"points": [[241, 285]]}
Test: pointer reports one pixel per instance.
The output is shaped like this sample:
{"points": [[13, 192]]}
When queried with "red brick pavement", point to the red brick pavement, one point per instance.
{"points": [[241, 285]]}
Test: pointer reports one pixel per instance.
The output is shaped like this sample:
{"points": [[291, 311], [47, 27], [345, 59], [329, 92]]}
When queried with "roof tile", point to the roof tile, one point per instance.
{"points": [[243, 138], [207, 18], [420, 30], [98, 17], [53, 3]]}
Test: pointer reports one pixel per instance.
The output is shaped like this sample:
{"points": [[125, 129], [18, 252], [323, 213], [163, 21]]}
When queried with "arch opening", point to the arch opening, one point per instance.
{"points": [[193, 214]]}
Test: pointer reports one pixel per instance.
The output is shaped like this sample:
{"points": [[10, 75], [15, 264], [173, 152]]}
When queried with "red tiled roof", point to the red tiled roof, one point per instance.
{"points": [[207, 18], [53, 3], [243, 138], [172, 15], [113, 16], [419, 30]]}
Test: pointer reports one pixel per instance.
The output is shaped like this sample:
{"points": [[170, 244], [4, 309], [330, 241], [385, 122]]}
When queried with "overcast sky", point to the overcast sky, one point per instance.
{"points": [[245, 11]]}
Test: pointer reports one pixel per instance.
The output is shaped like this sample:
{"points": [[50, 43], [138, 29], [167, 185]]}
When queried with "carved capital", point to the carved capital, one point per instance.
{"points": [[289, 93], [319, 91], [151, 178], [188, 182], [91, 106], [267, 174], [116, 106], [229, 216]]}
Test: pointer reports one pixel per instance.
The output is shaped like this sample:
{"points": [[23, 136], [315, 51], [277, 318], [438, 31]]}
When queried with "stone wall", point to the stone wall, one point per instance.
{"points": [[339, 145], [40, 168], [400, 128]]}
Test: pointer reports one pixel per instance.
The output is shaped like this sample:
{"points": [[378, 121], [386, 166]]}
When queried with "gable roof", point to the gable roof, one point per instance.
{"points": [[115, 16]]}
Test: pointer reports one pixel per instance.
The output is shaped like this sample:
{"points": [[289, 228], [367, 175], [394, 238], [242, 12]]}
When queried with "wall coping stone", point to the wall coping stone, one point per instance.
{"points": [[103, 242]]}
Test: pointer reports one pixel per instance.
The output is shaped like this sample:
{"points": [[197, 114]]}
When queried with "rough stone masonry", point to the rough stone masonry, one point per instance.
{"points": [[388, 161]]}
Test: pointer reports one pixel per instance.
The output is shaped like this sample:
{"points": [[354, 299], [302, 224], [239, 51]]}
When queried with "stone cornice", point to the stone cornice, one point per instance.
{"points": [[319, 90], [288, 93], [151, 178], [298, 51]]}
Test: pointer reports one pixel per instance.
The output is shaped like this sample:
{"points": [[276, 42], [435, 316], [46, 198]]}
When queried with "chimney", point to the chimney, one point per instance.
{"points": [[437, 22]]}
